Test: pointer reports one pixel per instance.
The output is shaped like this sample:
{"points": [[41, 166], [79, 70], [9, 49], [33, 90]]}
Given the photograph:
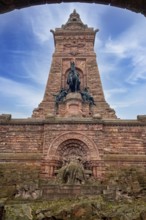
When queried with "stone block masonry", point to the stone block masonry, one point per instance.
{"points": [[103, 143]]}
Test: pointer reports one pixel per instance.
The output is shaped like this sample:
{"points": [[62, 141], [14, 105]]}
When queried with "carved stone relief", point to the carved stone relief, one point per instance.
{"points": [[72, 148]]}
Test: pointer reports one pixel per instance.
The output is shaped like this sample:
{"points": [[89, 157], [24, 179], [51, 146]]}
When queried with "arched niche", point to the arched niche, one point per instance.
{"points": [[70, 139], [81, 77]]}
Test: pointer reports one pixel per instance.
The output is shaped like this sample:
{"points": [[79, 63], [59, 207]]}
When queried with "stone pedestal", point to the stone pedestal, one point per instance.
{"points": [[73, 106]]}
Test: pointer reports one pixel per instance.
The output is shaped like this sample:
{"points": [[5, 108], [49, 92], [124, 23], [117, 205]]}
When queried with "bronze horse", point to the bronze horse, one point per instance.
{"points": [[73, 79]]}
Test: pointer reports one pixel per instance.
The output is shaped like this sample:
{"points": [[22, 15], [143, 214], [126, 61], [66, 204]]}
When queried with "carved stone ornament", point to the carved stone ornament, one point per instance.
{"points": [[73, 148], [74, 53], [78, 45]]}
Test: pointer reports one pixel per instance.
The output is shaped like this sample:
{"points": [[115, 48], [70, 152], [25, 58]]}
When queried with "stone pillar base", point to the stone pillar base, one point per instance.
{"points": [[73, 106]]}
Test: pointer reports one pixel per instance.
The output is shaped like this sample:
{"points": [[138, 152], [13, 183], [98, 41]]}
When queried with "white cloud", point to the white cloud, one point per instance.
{"points": [[24, 95], [109, 93], [129, 103], [43, 19], [37, 71], [123, 69], [130, 45]]}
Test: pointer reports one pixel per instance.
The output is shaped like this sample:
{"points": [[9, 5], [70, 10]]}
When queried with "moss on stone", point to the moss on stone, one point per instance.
{"points": [[13, 177], [123, 197], [82, 208]]}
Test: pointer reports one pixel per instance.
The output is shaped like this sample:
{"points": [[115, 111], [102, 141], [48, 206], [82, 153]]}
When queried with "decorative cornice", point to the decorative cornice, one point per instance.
{"points": [[124, 157], [53, 120], [20, 156]]}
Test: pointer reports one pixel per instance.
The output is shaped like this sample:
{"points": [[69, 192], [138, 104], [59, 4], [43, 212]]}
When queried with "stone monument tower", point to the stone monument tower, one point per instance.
{"points": [[73, 101], [74, 51], [73, 129]]}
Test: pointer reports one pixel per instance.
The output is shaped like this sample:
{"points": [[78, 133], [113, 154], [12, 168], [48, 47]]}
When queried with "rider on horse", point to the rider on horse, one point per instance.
{"points": [[73, 79]]}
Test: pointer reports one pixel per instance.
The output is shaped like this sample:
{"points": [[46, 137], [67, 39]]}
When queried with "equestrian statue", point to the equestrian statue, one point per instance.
{"points": [[73, 79]]}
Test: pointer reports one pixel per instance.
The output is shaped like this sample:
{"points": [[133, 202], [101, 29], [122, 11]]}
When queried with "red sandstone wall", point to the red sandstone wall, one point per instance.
{"points": [[125, 140], [125, 146], [108, 145], [21, 138], [21, 144]]}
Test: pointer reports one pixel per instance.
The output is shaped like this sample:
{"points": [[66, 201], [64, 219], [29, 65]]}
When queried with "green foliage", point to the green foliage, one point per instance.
{"points": [[18, 212], [90, 208], [13, 175], [17, 173], [128, 180], [122, 197]]}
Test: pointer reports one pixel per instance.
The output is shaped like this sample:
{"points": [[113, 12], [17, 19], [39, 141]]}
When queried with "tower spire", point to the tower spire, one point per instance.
{"points": [[74, 20]]}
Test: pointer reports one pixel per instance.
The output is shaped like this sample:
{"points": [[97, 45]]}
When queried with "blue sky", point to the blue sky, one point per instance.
{"points": [[26, 47]]}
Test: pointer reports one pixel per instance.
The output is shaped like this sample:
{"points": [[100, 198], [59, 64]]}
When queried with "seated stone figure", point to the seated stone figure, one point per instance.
{"points": [[72, 172], [87, 97]]}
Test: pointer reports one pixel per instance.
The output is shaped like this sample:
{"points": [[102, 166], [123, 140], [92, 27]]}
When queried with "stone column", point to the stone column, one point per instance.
{"points": [[95, 171], [48, 168]]}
